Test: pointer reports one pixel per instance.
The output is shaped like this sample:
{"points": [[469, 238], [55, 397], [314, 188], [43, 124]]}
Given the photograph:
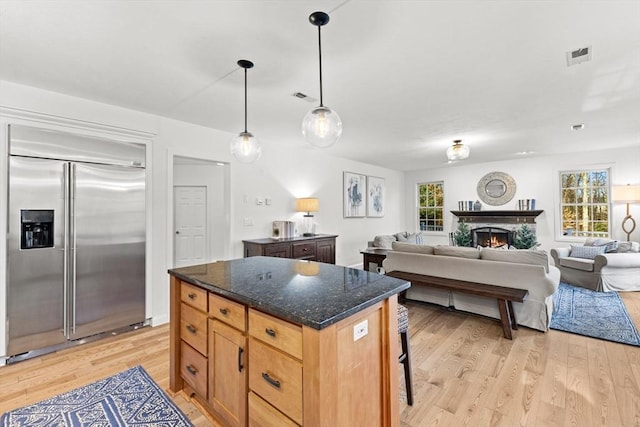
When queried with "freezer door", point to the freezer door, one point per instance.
{"points": [[35, 275], [108, 218]]}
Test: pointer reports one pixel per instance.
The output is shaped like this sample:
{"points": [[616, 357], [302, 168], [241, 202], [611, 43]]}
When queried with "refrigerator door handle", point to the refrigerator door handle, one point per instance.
{"points": [[72, 209], [65, 262]]}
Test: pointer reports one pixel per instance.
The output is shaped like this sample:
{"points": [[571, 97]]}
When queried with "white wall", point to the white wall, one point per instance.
{"points": [[536, 178], [282, 176]]}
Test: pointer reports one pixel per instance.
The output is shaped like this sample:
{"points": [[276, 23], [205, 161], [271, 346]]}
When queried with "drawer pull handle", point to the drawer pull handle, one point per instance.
{"points": [[270, 332], [270, 380], [240, 365], [192, 370], [192, 296], [224, 311], [192, 329]]}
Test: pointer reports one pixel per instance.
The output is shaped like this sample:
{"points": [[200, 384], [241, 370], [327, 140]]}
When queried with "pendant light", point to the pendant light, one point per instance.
{"points": [[245, 147], [321, 126], [457, 151]]}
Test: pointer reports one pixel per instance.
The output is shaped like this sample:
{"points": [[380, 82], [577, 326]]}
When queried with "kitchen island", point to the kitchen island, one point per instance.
{"points": [[264, 341]]}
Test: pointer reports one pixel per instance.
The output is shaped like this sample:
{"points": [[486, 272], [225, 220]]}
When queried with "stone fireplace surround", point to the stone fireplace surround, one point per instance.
{"points": [[494, 228]]}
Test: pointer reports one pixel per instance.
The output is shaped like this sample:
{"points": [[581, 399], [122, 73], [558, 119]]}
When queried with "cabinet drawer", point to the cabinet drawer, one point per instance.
{"points": [[194, 296], [193, 328], [304, 250], [277, 378], [278, 333], [261, 414], [230, 312], [280, 250], [193, 369]]}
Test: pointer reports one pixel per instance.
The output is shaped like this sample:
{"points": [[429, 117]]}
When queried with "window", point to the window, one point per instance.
{"points": [[430, 206], [585, 203]]}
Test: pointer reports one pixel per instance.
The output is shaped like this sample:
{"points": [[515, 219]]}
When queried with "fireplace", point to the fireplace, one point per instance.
{"points": [[495, 228], [491, 237]]}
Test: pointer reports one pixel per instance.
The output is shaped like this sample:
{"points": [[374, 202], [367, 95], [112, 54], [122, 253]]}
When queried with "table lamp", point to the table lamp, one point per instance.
{"points": [[627, 194], [308, 205]]}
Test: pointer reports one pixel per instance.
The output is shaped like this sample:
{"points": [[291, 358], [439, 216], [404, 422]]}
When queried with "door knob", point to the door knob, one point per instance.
{"points": [[177, 232]]}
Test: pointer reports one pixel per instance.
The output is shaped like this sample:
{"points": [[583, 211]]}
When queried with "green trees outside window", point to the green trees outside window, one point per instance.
{"points": [[431, 206], [585, 203]]}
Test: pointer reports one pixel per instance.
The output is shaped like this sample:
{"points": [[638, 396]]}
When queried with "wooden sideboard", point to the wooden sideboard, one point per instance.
{"points": [[320, 248]]}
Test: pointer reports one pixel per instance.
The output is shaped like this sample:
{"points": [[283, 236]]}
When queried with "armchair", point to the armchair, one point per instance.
{"points": [[605, 272]]}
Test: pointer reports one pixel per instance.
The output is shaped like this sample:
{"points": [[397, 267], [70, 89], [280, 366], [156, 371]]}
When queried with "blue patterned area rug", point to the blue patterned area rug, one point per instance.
{"points": [[593, 314], [130, 398]]}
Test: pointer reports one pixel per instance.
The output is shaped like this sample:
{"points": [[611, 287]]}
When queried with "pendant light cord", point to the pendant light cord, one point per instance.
{"points": [[245, 100], [320, 62]]}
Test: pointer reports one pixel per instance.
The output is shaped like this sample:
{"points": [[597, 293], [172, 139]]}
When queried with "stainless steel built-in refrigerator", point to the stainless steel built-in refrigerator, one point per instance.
{"points": [[76, 238]]}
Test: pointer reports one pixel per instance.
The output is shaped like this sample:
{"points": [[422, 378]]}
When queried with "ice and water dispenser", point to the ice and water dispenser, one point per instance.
{"points": [[36, 229]]}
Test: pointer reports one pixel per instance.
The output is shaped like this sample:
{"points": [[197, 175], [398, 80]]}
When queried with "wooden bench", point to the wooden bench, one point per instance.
{"points": [[505, 296]]}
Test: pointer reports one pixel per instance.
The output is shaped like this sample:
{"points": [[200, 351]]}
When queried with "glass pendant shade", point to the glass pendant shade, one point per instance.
{"points": [[246, 148], [321, 127], [457, 151]]}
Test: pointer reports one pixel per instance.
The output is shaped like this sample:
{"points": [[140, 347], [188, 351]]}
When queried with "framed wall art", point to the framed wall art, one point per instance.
{"points": [[354, 195], [375, 196]]}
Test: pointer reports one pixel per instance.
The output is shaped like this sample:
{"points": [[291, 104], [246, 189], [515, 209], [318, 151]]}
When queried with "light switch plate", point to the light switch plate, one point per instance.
{"points": [[360, 330]]}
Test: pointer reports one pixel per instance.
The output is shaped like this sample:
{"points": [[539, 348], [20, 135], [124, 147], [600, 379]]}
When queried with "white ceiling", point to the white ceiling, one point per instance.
{"points": [[407, 77]]}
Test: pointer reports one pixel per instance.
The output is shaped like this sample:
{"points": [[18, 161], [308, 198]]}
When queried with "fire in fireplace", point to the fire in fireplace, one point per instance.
{"points": [[491, 237]]}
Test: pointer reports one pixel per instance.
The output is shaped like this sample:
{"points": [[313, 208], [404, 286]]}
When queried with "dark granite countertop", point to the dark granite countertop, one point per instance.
{"points": [[305, 292]]}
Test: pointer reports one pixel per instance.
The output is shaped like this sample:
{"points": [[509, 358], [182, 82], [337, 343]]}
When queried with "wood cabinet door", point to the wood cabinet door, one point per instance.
{"points": [[326, 251], [228, 373]]}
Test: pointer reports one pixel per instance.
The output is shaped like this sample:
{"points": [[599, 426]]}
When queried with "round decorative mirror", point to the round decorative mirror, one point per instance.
{"points": [[496, 188]]}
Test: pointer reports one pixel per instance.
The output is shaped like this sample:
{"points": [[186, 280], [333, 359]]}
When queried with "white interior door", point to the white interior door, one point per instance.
{"points": [[190, 217]]}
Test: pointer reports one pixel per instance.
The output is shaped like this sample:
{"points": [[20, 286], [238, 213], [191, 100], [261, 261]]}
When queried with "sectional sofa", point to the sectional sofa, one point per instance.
{"points": [[524, 269]]}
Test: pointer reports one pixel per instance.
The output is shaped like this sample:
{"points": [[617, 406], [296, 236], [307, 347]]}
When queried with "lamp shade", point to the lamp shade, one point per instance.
{"points": [[307, 204], [626, 194]]}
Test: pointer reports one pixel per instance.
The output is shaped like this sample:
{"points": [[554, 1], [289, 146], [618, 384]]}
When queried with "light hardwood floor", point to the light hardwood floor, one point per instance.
{"points": [[465, 373]]}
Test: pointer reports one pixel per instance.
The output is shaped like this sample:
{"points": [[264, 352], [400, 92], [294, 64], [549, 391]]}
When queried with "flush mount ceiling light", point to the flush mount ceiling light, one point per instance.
{"points": [[321, 126], [457, 151], [245, 147]]}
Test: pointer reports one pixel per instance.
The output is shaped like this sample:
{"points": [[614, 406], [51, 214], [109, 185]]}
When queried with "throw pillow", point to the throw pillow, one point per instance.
{"points": [[383, 241], [415, 238], [586, 252], [628, 247], [609, 245], [401, 237]]}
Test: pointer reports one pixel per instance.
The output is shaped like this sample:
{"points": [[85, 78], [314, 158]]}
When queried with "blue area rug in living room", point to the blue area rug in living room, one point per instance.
{"points": [[593, 314], [130, 398]]}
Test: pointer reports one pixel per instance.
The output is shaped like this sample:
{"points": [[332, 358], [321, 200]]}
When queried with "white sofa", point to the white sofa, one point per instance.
{"points": [[618, 270], [523, 269]]}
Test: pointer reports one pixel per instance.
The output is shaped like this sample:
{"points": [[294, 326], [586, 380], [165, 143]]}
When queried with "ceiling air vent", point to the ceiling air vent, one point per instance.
{"points": [[579, 55], [304, 96]]}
